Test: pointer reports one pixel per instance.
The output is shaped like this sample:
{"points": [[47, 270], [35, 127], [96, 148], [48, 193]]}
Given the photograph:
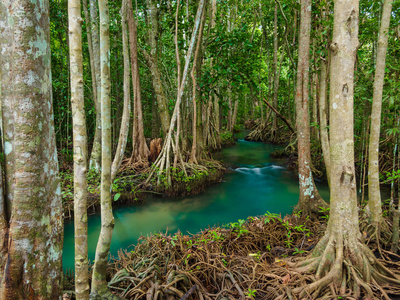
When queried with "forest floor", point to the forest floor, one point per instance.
{"points": [[247, 259]]}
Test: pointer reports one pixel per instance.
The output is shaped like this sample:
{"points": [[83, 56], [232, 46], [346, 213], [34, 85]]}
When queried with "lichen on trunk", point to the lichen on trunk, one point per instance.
{"points": [[34, 237]]}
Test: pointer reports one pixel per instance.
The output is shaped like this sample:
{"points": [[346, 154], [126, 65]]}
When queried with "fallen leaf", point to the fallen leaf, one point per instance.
{"points": [[286, 279], [280, 262]]}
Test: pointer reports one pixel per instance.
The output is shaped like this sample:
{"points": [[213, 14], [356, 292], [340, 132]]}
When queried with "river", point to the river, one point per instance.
{"points": [[257, 184]]}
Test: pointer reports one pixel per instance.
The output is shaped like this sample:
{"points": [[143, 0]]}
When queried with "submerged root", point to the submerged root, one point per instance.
{"points": [[345, 272]]}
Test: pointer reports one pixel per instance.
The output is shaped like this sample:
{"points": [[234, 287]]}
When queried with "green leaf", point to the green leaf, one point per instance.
{"points": [[116, 196]]}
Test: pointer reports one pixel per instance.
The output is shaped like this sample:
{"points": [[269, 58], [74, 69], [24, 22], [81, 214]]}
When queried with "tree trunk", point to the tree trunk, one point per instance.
{"points": [[95, 156], [32, 226], [276, 77], [123, 134], [323, 116], [99, 282], [341, 261], [152, 62], [80, 150], [140, 151], [234, 115], [309, 199], [194, 153], [374, 206]]}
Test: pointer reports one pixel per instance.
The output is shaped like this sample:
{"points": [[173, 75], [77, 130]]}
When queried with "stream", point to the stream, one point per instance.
{"points": [[257, 184]]}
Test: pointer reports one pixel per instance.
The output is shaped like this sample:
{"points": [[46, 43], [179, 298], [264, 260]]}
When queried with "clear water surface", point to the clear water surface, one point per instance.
{"points": [[257, 184]]}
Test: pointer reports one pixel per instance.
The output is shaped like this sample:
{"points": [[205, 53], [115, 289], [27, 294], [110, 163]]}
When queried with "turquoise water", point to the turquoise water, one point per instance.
{"points": [[257, 184]]}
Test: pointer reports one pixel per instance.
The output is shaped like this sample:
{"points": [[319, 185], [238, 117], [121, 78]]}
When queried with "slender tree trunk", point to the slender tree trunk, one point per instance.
{"points": [[99, 282], [193, 154], [123, 134], [3, 222], [374, 206], [140, 151], [323, 116], [32, 225], [276, 77], [315, 131], [80, 150], [95, 156], [234, 115]]}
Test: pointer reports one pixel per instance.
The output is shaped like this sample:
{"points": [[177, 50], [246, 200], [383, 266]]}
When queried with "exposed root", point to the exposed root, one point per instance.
{"points": [[345, 272], [221, 262], [377, 236]]}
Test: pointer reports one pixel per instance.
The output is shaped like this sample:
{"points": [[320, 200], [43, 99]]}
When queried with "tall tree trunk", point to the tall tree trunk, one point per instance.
{"points": [[195, 151], [374, 206], [33, 237], [95, 156], [234, 115], [140, 151], [123, 134], [99, 282], [152, 61], [309, 199], [323, 116], [276, 77], [80, 150]]}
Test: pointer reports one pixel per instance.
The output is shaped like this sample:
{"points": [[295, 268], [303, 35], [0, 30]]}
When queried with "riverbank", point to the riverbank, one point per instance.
{"points": [[247, 259], [129, 188]]}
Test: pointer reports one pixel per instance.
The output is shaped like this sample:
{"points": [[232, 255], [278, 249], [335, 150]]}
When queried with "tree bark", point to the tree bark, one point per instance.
{"points": [[309, 198], [323, 116], [194, 153], [140, 150], [276, 77], [374, 206], [80, 150], [99, 288], [123, 134], [33, 237], [151, 58], [95, 156]]}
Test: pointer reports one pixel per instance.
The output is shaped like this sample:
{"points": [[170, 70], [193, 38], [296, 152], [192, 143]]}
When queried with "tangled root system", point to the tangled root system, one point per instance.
{"points": [[240, 261]]}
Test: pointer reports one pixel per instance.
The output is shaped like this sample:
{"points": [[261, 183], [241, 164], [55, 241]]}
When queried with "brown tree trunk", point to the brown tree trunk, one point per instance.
{"points": [[276, 77], [123, 135], [374, 206], [152, 61], [309, 199], [140, 151], [194, 152], [32, 225]]}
